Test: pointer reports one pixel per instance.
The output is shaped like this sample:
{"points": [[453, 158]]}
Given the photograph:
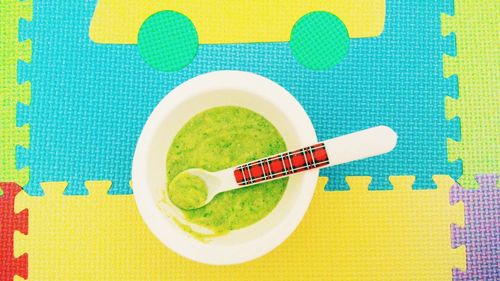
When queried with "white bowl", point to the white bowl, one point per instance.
{"points": [[221, 88]]}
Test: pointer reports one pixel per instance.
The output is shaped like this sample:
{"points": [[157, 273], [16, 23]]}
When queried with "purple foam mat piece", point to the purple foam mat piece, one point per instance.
{"points": [[481, 234]]}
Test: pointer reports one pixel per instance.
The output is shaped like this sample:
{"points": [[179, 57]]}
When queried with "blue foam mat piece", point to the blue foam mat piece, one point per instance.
{"points": [[90, 101]]}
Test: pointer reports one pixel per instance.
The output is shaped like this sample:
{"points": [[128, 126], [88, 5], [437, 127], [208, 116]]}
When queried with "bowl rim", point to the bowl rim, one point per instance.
{"points": [[213, 254]]}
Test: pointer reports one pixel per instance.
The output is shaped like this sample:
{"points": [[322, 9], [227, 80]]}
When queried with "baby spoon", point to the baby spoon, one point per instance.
{"points": [[355, 146]]}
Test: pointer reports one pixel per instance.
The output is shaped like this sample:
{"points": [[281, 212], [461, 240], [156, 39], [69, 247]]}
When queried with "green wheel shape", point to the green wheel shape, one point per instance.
{"points": [[167, 41], [319, 40]]}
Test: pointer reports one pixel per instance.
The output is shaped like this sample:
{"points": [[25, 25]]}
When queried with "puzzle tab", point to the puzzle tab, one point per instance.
{"points": [[481, 233], [10, 221]]}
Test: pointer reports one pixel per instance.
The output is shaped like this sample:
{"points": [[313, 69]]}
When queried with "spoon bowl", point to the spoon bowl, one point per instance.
{"points": [[212, 182]]}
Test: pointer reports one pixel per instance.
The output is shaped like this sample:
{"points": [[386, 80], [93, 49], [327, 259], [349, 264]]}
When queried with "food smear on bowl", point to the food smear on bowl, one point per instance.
{"points": [[220, 138], [187, 191]]}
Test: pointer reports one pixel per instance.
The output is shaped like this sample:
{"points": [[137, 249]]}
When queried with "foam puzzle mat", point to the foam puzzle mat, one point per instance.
{"points": [[385, 77], [477, 104], [76, 88], [13, 52], [102, 237], [481, 234]]}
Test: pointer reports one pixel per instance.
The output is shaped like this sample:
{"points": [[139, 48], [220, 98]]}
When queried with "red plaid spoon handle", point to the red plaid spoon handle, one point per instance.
{"points": [[347, 148]]}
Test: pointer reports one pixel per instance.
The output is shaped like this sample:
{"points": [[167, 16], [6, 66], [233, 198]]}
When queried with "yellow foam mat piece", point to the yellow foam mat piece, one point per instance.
{"points": [[233, 21], [354, 235]]}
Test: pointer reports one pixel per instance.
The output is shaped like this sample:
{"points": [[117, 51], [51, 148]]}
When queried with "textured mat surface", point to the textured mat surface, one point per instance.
{"points": [[478, 68], [12, 90], [401, 234], [10, 222], [90, 101], [481, 234]]}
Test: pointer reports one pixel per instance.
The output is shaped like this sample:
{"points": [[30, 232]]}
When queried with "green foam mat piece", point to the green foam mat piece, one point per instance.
{"points": [[477, 66], [11, 92]]}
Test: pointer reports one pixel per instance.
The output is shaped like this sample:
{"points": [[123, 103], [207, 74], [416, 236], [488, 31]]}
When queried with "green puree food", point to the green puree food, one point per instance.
{"points": [[220, 138], [187, 191]]}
